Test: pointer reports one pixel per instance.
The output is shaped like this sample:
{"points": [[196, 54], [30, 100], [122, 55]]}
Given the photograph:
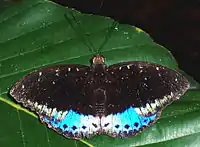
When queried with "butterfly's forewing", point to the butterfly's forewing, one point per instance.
{"points": [[147, 86], [53, 86], [56, 94], [142, 90]]}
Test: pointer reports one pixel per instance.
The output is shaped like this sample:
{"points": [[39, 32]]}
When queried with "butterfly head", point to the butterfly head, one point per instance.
{"points": [[99, 59], [98, 62]]}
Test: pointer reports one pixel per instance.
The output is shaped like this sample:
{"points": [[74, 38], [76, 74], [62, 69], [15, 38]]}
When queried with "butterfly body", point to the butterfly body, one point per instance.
{"points": [[119, 100]]}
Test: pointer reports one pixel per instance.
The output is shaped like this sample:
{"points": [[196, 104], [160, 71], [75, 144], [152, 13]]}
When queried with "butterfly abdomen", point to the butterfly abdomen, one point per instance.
{"points": [[99, 101]]}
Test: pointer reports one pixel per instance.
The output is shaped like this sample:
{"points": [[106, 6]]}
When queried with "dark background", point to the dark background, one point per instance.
{"points": [[174, 24]]}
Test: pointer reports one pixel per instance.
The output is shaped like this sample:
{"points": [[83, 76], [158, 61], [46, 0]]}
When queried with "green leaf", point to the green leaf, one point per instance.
{"points": [[34, 34], [21, 129]]}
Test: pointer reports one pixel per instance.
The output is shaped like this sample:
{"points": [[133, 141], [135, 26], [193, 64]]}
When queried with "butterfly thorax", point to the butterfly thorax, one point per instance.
{"points": [[98, 86]]}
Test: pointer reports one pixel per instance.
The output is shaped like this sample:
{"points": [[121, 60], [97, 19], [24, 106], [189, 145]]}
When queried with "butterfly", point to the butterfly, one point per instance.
{"points": [[80, 101], [119, 100]]}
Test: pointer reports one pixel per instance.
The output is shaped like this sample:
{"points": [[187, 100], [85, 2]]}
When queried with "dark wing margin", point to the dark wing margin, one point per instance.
{"points": [[53, 87], [146, 86]]}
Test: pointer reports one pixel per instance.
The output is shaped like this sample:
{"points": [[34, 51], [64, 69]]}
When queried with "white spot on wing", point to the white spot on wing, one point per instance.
{"points": [[137, 110], [36, 104], [148, 107], [44, 109], [144, 110], [39, 107], [157, 103], [63, 115], [140, 66], [153, 105], [169, 96], [28, 101], [157, 68], [171, 93], [40, 73], [49, 111], [59, 115], [54, 111]]}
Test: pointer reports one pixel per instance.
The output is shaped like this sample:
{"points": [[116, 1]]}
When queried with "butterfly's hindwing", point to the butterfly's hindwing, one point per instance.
{"points": [[126, 123], [73, 124]]}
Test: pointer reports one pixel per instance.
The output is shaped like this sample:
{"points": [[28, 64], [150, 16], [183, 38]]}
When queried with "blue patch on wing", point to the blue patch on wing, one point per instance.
{"points": [[69, 123], [73, 124], [126, 123]]}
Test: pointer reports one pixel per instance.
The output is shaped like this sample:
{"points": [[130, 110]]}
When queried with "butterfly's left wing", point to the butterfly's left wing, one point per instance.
{"points": [[137, 93], [56, 94]]}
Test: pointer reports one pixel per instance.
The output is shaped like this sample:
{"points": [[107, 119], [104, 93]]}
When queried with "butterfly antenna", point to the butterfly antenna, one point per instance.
{"points": [[108, 35], [81, 35]]}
